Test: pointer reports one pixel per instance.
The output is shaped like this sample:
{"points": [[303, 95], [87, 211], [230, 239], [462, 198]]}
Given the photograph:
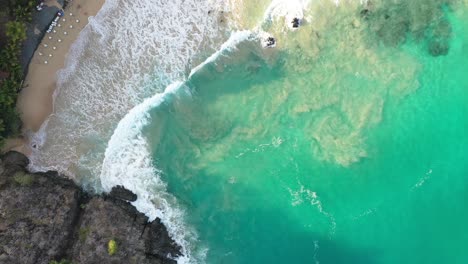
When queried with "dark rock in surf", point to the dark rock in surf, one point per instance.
{"points": [[15, 159], [296, 22], [46, 217], [119, 192], [159, 244], [270, 42]]}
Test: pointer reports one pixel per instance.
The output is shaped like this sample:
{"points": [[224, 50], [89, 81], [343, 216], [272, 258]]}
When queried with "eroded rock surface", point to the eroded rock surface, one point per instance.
{"points": [[46, 217]]}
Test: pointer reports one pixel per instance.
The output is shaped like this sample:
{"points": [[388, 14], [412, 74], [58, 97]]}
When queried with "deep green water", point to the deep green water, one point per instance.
{"points": [[345, 144]]}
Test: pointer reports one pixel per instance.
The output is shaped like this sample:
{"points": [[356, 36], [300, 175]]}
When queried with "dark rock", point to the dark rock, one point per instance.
{"points": [[159, 244], [102, 222], [270, 42], [295, 22], [119, 192], [45, 217], [36, 217], [35, 32], [13, 158]]}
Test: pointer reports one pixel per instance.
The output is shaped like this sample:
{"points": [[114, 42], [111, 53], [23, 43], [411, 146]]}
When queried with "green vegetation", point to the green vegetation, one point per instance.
{"points": [[23, 179], [112, 247], [11, 75], [83, 233]]}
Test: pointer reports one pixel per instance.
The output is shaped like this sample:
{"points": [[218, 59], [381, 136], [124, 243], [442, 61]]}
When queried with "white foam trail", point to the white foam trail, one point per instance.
{"points": [[127, 161], [116, 61], [306, 195], [235, 38], [128, 52]]}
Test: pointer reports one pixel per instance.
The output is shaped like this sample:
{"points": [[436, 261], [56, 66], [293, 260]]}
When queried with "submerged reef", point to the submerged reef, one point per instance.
{"points": [[424, 21], [46, 218]]}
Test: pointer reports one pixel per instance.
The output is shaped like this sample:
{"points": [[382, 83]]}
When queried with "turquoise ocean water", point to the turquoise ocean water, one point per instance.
{"points": [[346, 143]]}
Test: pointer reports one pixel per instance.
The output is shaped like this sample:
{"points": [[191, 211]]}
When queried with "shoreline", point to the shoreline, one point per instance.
{"points": [[35, 100], [46, 217]]}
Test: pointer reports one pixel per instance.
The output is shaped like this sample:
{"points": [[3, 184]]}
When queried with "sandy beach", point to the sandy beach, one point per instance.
{"points": [[35, 101]]}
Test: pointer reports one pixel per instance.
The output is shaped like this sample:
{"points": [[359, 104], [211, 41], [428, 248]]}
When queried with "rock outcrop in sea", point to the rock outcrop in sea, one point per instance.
{"points": [[45, 217]]}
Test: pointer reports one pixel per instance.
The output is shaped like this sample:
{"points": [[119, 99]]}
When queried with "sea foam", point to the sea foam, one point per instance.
{"points": [[287, 10], [127, 53], [128, 162]]}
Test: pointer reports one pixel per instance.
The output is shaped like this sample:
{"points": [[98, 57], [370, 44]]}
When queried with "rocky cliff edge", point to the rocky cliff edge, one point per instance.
{"points": [[45, 218]]}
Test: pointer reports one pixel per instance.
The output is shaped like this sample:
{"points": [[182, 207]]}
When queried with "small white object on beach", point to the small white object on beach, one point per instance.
{"points": [[59, 25], [71, 14], [50, 37], [40, 53], [71, 26], [64, 20], [54, 48], [55, 31], [65, 33], [45, 62], [77, 21], [50, 55], [45, 45], [59, 40]]}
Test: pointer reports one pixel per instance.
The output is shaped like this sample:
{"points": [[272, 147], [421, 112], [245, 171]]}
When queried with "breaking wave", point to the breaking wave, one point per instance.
{"points": [[127, 53]]}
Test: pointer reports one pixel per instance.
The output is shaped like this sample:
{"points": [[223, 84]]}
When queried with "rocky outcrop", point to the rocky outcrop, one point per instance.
{"points": [[46, 217], [119, 192]]}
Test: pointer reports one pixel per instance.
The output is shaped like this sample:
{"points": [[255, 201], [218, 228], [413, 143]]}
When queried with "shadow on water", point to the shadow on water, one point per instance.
{"points": [[276, 239], [238, 226]]}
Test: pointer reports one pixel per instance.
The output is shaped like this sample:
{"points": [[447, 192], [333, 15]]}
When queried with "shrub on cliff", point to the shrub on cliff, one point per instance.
{"points": [[112, 247]]}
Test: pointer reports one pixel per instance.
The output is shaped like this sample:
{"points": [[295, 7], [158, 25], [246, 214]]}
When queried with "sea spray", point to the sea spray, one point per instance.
{"points": [[121, 57], [316, 109], [128, 52], [287, 10], [128, 162], [341, 116]]}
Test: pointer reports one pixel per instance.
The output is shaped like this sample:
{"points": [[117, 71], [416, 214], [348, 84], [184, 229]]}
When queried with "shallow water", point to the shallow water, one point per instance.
{"points": [[346, 143]]}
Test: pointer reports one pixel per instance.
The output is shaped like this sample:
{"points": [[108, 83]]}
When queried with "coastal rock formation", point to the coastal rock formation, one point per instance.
{"points": [[46, 217], [119, 192]]}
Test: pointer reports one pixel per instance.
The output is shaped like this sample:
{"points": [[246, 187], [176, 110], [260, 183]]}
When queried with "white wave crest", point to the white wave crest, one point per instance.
{"points": [[128, 162], [235, 38], [129, 51]]}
